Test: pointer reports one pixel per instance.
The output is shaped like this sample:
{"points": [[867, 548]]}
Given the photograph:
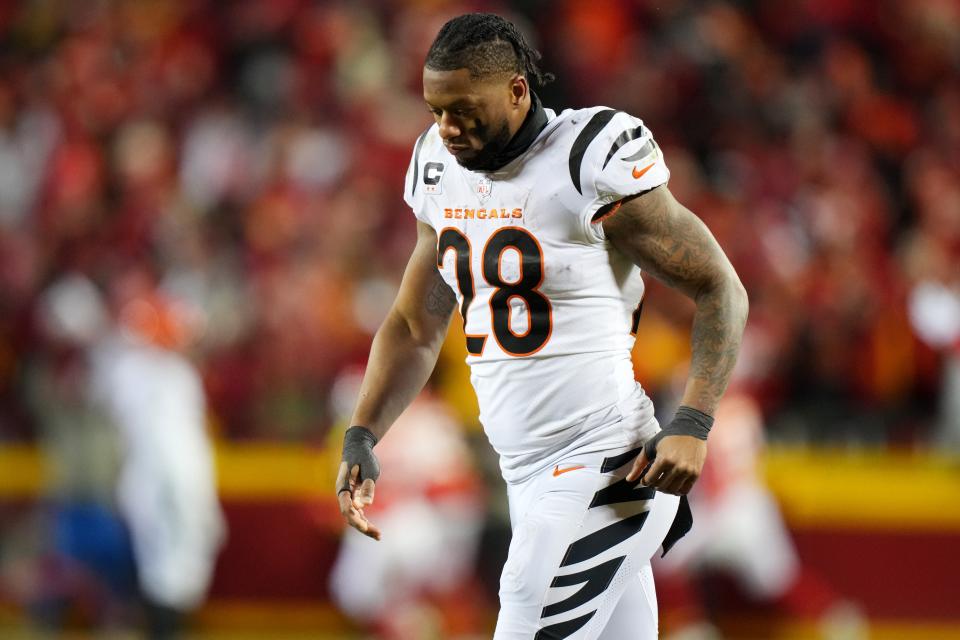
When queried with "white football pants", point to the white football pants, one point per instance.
{"points": [[579, 561]]}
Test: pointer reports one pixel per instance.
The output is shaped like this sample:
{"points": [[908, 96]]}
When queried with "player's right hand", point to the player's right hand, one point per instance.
{"points": [[356, 479], [670, 464], [671, 461]]}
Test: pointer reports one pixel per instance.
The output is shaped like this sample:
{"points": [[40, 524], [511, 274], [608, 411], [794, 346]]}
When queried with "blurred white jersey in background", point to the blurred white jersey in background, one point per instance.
{"points": [[167, 486]]}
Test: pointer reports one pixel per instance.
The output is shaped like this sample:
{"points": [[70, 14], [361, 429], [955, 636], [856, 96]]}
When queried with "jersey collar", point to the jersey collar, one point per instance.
{"points": [[532, 125]]}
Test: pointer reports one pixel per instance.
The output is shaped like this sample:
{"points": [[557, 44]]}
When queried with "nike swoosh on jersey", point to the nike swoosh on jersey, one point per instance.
{"points": [[639, 174], [558, 471]]}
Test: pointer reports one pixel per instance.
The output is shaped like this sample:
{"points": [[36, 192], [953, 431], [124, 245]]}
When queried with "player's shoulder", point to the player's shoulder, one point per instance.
{"points": [[595, 136], [590, 123], [428, 146], [427, 157]]}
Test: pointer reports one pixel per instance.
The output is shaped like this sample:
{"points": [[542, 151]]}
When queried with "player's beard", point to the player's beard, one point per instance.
{"points": [[493, 144]]}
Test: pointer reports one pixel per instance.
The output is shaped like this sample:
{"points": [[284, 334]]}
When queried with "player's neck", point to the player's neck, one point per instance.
{"points": [[533, 123]]}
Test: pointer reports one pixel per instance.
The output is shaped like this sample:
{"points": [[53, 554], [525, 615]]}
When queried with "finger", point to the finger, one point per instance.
{"points": [[342, 484], [654, 481], [683, 481], [639, 464], [688, 486], [358, 521], [652, 476], [344, 492], [372, 531], [345, 502], [673, 482], [364, 495]]}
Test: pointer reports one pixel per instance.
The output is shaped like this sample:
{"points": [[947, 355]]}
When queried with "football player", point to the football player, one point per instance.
{"points": [[536, 225]]}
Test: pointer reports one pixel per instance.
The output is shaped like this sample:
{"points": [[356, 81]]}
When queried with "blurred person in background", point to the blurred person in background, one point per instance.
{"points": [[933, 304], [566, 207], [741, 535], [419, 582], [167, 486], [85, 567], [152, 396]]}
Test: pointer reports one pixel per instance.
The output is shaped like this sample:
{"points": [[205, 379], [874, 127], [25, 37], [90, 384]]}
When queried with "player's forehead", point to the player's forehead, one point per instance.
{"points": [[457, 88]]}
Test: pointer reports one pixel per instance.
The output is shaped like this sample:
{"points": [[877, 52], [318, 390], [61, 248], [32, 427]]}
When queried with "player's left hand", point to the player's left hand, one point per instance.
{"points": [[352, 496], [674, 464], [356, 480]]}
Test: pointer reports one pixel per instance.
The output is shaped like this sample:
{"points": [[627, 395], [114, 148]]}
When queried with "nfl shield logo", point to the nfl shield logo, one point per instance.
{"points": [[484, 187]]}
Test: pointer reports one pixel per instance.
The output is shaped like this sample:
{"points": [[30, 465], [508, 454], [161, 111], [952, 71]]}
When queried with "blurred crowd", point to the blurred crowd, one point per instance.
{"points": [[241, 169]]}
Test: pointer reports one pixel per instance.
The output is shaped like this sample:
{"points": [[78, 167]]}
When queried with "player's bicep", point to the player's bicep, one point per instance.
{"points": [[425, 301], [667, 240]]}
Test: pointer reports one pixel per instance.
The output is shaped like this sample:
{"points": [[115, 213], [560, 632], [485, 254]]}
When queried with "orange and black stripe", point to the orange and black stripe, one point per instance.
{"points": [[608, 210]]}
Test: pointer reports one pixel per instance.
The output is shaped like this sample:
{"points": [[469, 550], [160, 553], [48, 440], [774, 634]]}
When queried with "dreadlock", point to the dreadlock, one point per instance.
{"points": [[485, 44]]}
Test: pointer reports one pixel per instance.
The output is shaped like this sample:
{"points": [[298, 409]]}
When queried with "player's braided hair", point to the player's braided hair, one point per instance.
{"points": [[485, 43]]}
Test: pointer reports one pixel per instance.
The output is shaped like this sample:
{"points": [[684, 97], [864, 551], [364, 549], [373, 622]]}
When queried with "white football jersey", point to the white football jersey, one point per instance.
{"points": [[547, 305]]}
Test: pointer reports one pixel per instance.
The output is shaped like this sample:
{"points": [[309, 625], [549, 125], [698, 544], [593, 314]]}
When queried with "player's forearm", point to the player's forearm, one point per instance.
{"points": [[400, 364], [715, 342], [667, 240]]}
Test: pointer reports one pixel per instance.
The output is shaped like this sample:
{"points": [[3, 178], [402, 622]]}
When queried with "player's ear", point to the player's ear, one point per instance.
{"points": [[518, 90]]}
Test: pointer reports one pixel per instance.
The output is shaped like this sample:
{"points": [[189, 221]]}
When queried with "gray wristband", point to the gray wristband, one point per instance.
{"points": [[686, 422], [358, 450], [690, 422]]}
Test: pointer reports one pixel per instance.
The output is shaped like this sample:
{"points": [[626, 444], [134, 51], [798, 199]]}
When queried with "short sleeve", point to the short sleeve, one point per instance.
{"points": [[623, 161], [412, 187]]}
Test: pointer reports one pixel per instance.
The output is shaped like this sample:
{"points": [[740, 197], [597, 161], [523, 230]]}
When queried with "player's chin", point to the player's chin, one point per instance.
{"points": [[470, 159]]}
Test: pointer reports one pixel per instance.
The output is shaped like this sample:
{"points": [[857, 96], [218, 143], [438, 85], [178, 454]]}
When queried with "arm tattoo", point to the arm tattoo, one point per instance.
{"points": [[715, 342], [666, 239], [440, 297]]}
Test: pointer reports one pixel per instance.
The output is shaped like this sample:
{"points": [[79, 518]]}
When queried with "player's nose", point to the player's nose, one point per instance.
{"points": [[448, 128]]}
